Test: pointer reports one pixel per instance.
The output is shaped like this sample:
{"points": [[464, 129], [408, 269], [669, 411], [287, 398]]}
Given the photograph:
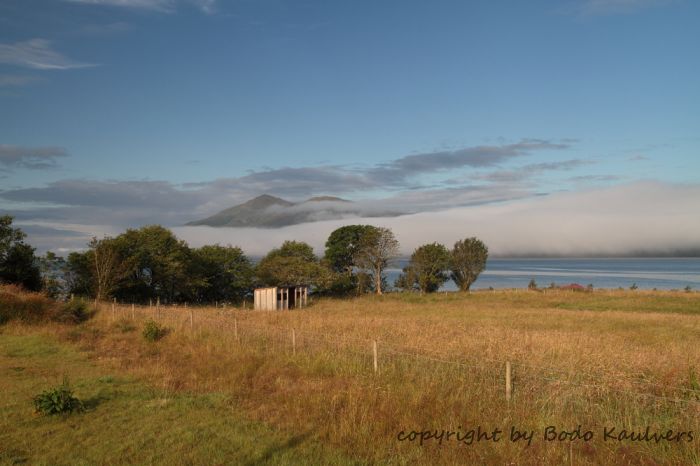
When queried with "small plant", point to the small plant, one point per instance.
{"points": [[58, 400], [532, 285], [153, 332], [125, 326], [687, 289], [74, 311], [633, 287]]}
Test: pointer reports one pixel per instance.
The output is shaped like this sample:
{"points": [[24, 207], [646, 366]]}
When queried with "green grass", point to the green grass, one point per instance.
{"points": [[126, 421]]}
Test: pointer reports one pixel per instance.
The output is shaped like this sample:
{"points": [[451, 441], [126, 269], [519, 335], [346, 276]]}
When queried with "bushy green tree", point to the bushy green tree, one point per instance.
{"points": [[157, 265], [294, 263], [224, 274], [468, 261], [427, 269], [342, 247], [18, 264]]}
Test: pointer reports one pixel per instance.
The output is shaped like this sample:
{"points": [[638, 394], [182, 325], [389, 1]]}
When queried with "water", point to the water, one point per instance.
{"points": [[646, 273]]}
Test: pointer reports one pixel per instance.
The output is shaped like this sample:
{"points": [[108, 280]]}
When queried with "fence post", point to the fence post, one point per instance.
{"points": [[374, 354], [191, 320], [294, 342], [132, 311], [114, 315], [509, 386], [235, 328]]}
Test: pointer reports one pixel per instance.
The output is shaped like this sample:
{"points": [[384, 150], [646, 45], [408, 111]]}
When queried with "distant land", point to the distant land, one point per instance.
{"points": [[267, 211]]}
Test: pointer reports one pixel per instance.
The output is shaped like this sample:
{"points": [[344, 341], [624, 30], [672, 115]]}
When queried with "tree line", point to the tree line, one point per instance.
{"points": [[152, 264]]}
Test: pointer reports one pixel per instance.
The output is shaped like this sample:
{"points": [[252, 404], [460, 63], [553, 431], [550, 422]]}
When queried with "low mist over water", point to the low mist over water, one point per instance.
{"points": [[646, 273]]}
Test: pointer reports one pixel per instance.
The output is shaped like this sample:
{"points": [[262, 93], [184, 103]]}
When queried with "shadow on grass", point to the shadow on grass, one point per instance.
{"points": [[279, 448], [92, 403]]}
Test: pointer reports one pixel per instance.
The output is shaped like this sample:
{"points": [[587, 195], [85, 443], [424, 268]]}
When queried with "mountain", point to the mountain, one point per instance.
{"points": [[272, 212]]}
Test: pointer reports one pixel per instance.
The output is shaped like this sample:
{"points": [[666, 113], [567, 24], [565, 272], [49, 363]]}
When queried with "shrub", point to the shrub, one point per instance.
{"points": [[16, 303], [153, 332], [633, 287], [72, 312], [30, 307], [687, 289], [57, 400], [532, 285]]}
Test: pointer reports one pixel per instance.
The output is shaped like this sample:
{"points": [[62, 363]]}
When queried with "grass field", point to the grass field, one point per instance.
{"points": [[228, 386]]}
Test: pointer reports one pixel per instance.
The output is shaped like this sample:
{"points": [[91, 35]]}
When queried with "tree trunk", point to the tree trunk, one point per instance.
{"points": [[378, 280]]}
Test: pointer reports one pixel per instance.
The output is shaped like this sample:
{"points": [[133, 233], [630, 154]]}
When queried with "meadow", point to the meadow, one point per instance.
{"points": [[235, 386]]}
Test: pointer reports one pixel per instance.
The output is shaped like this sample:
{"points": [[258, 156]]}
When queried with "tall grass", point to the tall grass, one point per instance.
{"points": [[29, 307], [615, 359]]}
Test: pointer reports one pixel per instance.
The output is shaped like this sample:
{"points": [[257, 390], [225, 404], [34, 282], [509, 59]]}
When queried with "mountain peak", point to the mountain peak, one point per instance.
{"points": [[326, 199], [266, 211], [265, 200]]}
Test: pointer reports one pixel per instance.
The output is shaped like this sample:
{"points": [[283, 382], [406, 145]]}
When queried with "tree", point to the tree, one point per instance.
{"points": [[468, 261], [426, 269], [157, 265], [107, 266], [342, 247], [294, 263], [79, 273], [18, 264], [53, 270], [224, 273], [375, 250]]}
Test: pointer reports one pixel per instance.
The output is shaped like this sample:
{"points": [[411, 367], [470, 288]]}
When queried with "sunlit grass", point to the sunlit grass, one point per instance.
{"points": [[620, 358]]}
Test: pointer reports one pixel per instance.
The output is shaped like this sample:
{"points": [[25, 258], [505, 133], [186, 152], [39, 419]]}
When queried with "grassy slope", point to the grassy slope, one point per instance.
{"points": [[126, 421], [577, 358]]}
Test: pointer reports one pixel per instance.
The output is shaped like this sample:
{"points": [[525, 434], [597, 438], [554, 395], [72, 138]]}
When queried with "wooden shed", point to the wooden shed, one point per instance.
{"points": [[279, 298]]}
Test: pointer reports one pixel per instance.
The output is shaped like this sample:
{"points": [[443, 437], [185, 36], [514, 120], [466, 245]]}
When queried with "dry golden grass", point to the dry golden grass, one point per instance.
{"points": [[609, 358]]}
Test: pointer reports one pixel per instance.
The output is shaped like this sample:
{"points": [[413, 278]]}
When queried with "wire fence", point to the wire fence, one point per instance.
{"points": [[377, 353]]}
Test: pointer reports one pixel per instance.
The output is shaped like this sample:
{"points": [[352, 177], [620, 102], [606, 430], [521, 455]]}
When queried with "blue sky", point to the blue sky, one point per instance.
{"points": [[123, 112]]}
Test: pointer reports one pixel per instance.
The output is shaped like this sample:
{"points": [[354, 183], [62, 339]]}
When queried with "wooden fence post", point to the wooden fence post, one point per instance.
{"points": [[294, 342], [191, 320], [509, 386], [114, 315], [235, 328], [374, 354], [132, 311]]}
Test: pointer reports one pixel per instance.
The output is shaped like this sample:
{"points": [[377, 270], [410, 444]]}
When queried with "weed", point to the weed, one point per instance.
{"points": [[154, 332], [57, 400]]}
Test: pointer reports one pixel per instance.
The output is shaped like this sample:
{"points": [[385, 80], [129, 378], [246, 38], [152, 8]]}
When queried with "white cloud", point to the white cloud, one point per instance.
{"points": [[30, 157], [36, 54], [626, 219], [207, 6]]}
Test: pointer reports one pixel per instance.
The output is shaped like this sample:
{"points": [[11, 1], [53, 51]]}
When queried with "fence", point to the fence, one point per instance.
{"points": [[506, 374]]}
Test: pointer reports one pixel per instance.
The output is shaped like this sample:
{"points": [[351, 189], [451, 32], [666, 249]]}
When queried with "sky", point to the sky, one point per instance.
{"points": [[546, 127]]}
